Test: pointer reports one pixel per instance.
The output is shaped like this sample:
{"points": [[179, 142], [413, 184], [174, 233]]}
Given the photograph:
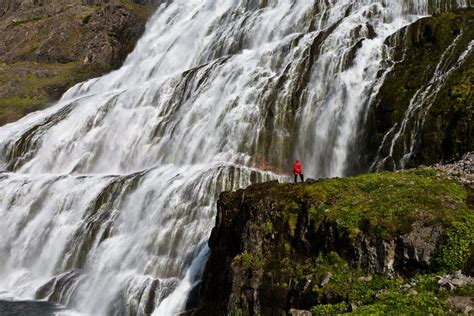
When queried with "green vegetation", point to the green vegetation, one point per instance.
{"points": [[13, 108], [295, 223], [329, 309], [140, 10], [29, 86], [377, 294], [456, 247], [380, 204], [20, 22], [467, 290], [58, 52], [424, 298], [387, 204], [251, 261], [238, 312], [86, 19]]}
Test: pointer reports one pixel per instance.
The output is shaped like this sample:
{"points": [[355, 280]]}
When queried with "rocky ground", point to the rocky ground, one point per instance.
{"points": [[48, 46], [392, 242], [462, 170]]}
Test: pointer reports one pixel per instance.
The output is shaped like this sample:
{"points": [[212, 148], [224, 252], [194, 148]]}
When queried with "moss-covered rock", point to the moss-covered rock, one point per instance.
{"points": [[48, 46], [427, 97], [372, 241]]}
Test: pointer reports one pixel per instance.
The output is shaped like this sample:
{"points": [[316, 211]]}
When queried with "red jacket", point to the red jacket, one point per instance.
{"points": [[297, 169]]}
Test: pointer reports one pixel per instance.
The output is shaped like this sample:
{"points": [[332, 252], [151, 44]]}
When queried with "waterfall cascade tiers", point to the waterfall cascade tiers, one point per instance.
{"points": [[49, 46], [368, 244]]}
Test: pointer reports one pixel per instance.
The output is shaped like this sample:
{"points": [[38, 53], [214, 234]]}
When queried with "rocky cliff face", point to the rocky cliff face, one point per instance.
{"points": [[425, 102], [371, 241], [48, 46]]}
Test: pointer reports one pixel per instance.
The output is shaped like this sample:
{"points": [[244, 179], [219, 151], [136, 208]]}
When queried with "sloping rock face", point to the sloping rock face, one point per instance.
{"points": [[48, 46], [338, 243], [423, 112]]}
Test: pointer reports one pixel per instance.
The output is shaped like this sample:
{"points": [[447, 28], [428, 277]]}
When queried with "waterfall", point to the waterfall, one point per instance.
{"points": [[108, 197]]}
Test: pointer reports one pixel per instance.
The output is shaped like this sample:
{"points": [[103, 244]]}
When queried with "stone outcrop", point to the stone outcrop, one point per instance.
{"points": [[48, 46], [426, 72], [456, 280], [462, 170], [281, 248]]}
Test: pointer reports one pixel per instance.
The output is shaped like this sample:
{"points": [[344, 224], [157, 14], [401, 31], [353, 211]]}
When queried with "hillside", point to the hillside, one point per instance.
{"points": [[48, 46]]}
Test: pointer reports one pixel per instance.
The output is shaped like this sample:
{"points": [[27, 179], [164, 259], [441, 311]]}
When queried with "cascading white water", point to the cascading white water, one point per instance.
{"points": [[109, 196]]}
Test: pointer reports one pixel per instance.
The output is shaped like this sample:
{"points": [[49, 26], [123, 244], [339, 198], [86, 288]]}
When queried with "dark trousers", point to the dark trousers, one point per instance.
{"points": [[301, 176]]}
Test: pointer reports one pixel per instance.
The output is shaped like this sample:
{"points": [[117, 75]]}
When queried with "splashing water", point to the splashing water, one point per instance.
{"points": [[108, 197]]}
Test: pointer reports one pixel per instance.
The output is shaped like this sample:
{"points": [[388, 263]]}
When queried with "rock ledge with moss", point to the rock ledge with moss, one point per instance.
{"points": [[372, 244]]}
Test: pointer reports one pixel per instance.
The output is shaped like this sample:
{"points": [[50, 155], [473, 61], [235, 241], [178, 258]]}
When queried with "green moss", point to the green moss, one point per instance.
{"points": [[292, 221], [12, 108], [20, 102], [386, 204], [378, 204], [32, 80], [268, 228], [140, 10], [348, 284], [447, 130], [329, 309], [286, 231], [20, 22], [456, 247], [418, 296], [467, 290], [86, 19], [251, 261], [33, 83], [378, 294]]}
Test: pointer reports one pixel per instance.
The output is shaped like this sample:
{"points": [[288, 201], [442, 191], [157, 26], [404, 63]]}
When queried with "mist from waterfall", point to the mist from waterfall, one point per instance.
{"points": [[108, 197]]}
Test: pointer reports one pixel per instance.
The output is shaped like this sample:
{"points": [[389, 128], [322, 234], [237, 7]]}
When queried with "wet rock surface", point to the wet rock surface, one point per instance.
{"points": [[422, 113]]}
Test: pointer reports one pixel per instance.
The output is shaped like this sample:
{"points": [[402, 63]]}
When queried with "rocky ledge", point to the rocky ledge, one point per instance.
{"points": [[48, 46], [462, 170], [371, 244]]}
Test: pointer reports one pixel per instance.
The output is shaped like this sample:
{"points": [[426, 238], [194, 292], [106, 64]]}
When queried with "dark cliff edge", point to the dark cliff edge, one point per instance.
{"points": [[375, 243], [48, 46]]}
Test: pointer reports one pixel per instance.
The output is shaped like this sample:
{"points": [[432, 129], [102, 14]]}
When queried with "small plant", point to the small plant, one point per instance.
{"points": [[86, 19], [251, 261], [238, 312], [329, 309]]}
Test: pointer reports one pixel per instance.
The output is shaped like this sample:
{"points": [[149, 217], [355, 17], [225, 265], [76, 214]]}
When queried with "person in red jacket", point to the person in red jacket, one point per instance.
{"points": [[298, 170]]}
